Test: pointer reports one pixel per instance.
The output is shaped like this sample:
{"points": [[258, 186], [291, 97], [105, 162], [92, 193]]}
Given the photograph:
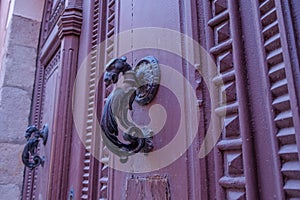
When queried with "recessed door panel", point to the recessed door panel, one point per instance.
{"points": [[155, 28]]}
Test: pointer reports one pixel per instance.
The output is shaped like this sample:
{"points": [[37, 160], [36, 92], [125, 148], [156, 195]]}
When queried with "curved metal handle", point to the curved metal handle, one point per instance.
{"points": [[139, 84], [30, 157]]}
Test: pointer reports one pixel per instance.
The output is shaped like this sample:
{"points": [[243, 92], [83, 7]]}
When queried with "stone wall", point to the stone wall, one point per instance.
{"points": [[17, 72]]}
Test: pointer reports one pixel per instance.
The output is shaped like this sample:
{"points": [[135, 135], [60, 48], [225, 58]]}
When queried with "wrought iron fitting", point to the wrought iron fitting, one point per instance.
{"points": [[30, 156], [139, 84]]}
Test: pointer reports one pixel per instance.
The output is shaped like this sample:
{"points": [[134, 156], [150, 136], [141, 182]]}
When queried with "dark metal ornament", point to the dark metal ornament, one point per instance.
{"points": [[148, 78], [140, 84], [30, 157]]}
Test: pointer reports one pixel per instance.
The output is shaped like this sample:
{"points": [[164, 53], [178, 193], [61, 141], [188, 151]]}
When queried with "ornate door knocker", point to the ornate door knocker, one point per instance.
{"points": [[30, 157], [140, 84]]}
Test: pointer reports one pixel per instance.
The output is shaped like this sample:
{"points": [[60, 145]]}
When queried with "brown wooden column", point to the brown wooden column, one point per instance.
{"points": [[261, 116], [243, 99], [69, 32], [272, 87]]}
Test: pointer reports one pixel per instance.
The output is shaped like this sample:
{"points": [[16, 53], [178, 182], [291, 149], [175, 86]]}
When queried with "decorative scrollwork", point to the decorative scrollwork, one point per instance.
{"points": [[30, 157], [137, 85]]}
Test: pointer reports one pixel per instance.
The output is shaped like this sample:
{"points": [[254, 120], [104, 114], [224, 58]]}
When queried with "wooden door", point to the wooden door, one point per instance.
{"points": [[50, 91], [163, 29], [164, 172], [227, 98], [52, 101], [198, 171], [224, 117], [39, 181]]}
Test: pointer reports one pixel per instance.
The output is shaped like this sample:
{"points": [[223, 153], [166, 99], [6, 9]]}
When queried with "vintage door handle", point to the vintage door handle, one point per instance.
{"points": [[30, 157], [140, 84]]}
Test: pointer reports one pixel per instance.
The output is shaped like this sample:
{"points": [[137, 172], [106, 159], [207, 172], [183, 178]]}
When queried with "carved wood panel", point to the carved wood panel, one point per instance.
{"points": [[228, 155], [102, 35], [87, 180], [48, 112], [29, 184], [45, 101], [109, 53], [276, 66], [52, 11]]}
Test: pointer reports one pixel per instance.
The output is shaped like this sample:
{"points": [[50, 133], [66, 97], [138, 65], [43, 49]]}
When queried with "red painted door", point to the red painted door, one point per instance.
{"points": [[40, 180], [45, 173], [198, 139], [163, 29], [224, 119]]}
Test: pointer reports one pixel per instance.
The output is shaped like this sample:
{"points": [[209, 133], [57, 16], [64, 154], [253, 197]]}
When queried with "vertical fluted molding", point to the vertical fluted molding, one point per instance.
{"points": [[69, 32]]}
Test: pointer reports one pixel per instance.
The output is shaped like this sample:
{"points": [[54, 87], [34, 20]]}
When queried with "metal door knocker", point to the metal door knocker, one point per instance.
{"points": [[30, 157], [139, 84]]}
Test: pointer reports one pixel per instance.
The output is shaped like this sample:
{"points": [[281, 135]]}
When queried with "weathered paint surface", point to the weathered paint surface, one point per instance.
{"points": [[256, 69]]}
